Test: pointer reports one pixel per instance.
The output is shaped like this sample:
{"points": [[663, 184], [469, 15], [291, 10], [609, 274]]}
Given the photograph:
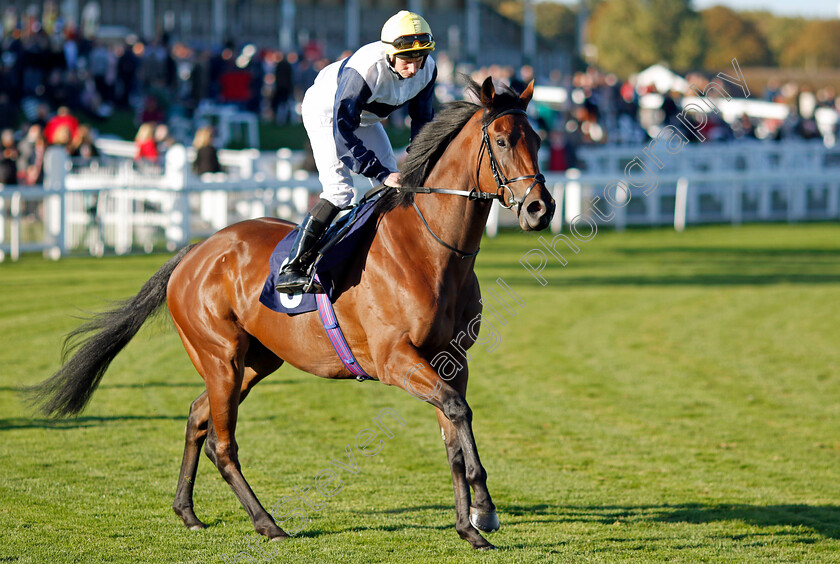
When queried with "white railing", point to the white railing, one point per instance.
{"points": [[720, 183], [237, 164], [116, 206], [724, 182], [120, 207]]}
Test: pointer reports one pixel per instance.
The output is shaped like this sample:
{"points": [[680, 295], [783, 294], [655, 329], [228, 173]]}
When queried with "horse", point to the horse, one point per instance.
{"points": [[408, 291]]}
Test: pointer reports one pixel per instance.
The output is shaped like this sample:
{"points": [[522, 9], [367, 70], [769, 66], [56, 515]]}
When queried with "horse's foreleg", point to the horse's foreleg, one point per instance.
{"points": [[423, 382], [460, 484], [482, 512]]}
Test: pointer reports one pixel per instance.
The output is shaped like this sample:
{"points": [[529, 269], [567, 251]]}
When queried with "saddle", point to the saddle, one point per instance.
{"points": [[335, 248]]}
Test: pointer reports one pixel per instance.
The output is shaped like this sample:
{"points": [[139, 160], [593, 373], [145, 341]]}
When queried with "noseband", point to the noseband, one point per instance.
{"points": [[502, 182]]}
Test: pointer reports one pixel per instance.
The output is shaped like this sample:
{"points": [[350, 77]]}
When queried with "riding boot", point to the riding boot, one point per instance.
{"points": [[294, 275]]}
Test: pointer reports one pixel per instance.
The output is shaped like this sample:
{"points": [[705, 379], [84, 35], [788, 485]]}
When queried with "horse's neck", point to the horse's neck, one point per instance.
{"points": [[458, 221]]}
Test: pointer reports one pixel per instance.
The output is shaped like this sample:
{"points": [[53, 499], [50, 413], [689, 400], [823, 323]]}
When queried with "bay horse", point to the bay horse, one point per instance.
{"points": [[408, 293]]}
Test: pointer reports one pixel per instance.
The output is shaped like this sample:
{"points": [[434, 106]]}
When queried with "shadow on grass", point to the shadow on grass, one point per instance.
{"points": [[822, 519], [78, 422], [316, 532], [417, 508], [197, 384], [801, 253], [701, 280], [687, 266]]}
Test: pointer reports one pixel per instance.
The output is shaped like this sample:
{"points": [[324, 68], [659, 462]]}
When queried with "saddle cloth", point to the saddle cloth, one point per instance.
{"points": [[357, 224]]}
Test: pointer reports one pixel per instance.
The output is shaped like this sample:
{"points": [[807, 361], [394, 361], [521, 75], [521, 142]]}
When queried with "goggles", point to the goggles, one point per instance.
{"points": [[412, 42]]}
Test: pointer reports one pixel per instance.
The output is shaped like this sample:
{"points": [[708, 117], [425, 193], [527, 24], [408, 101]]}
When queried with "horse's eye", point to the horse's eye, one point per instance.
{"points": [[501, 142]]}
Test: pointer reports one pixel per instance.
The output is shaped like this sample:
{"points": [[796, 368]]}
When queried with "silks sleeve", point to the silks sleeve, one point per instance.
{"points": [[352, 94]]}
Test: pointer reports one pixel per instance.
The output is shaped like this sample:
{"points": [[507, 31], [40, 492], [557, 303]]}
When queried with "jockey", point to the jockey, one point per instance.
{"points": [[342, 113]]}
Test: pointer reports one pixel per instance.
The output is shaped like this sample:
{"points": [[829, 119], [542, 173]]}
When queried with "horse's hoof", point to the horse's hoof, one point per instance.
{"points": [[487, 547], [187, 515], [484, 521], [275, 533]]}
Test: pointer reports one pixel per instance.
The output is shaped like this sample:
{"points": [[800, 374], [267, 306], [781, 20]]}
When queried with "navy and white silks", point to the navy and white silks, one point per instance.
{"points": [[343, 113]]}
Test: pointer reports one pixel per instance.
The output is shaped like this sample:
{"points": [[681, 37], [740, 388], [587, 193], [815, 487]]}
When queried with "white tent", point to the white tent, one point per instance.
{"points": [[662, 78]]}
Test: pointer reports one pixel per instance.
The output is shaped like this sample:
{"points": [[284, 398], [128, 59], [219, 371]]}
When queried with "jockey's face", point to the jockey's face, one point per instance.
{"points": [[407, 67]]}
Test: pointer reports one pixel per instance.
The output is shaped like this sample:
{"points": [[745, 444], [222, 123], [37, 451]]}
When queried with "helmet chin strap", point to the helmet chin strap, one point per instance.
{"points": [[392, 59]]}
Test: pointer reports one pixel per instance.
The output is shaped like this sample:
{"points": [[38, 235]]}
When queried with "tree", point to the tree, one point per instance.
{"points": [[554, 21], [616, 31], [778, 31], [633, 34], [729, 35], [677, 33], [815, 47]]}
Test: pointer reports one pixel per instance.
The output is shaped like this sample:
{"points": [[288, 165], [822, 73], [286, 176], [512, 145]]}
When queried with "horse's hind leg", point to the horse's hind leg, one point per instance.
{"points": [[197, 428], [196, 433], [224, 392]]}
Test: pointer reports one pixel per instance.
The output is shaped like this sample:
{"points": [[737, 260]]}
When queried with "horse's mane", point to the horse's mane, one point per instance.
{"points": [[429, 144]]}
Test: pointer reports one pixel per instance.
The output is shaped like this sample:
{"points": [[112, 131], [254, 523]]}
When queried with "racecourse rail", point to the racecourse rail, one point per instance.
{"points": [[117, 206]]}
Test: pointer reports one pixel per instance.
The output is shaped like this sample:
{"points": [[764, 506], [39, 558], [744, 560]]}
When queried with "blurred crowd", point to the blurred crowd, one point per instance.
{"points": [[595, 108], [57, 85]]}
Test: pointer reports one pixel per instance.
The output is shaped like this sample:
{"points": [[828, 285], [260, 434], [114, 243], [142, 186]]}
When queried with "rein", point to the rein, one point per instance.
{"points": [[502, 183]]}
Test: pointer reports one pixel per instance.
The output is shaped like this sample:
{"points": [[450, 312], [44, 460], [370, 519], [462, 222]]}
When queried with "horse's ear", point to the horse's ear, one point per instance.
{"points": [[526, 95], [487, 92]]}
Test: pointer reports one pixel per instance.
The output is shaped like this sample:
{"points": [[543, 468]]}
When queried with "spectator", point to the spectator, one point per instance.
{"points": [[42, 115], [8, 112], [206, 158], [199, 77], [127, 66], [144, 142], [102, 67], [59, 90], [8, 158], [82, 147], [26, 148], [236, 87], [33, 172], [283, 89], [163, 138], [152, 111], [670, 109], [744, 128], [63, 118], [561, 153], [62, 136], [807, 129]]}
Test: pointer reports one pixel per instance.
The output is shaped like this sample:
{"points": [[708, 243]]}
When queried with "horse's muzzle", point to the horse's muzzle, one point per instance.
{"points": [[536, 214]]}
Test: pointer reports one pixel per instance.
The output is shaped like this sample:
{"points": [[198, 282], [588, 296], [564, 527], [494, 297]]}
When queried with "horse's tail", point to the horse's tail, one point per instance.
{"points": [[95, 344]]}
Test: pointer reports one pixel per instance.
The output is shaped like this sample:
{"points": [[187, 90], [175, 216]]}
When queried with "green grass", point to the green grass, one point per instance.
{"points": [[665, 397]]}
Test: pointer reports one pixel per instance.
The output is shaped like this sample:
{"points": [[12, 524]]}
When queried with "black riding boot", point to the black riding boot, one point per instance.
{"points": [[293, 276]]}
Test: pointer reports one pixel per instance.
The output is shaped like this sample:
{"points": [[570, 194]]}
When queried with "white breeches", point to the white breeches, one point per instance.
{"points": [[334, 175]]}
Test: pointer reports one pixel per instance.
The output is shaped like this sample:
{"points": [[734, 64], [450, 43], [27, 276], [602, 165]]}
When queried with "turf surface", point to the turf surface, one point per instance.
{"points": [[665, 397]]}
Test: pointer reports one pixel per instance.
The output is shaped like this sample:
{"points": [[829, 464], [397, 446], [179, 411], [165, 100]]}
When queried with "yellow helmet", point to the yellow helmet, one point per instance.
{"points": [[407, 32]]}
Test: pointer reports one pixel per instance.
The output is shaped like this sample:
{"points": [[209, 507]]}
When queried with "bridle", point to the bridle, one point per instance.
{"points": [[502, 182]]}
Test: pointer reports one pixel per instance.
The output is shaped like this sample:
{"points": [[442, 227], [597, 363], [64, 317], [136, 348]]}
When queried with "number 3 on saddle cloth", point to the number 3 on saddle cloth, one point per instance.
{"points": [[337, 247]]}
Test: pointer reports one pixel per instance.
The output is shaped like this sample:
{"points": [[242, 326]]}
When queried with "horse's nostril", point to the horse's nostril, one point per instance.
{"points": [[535, 208]]}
